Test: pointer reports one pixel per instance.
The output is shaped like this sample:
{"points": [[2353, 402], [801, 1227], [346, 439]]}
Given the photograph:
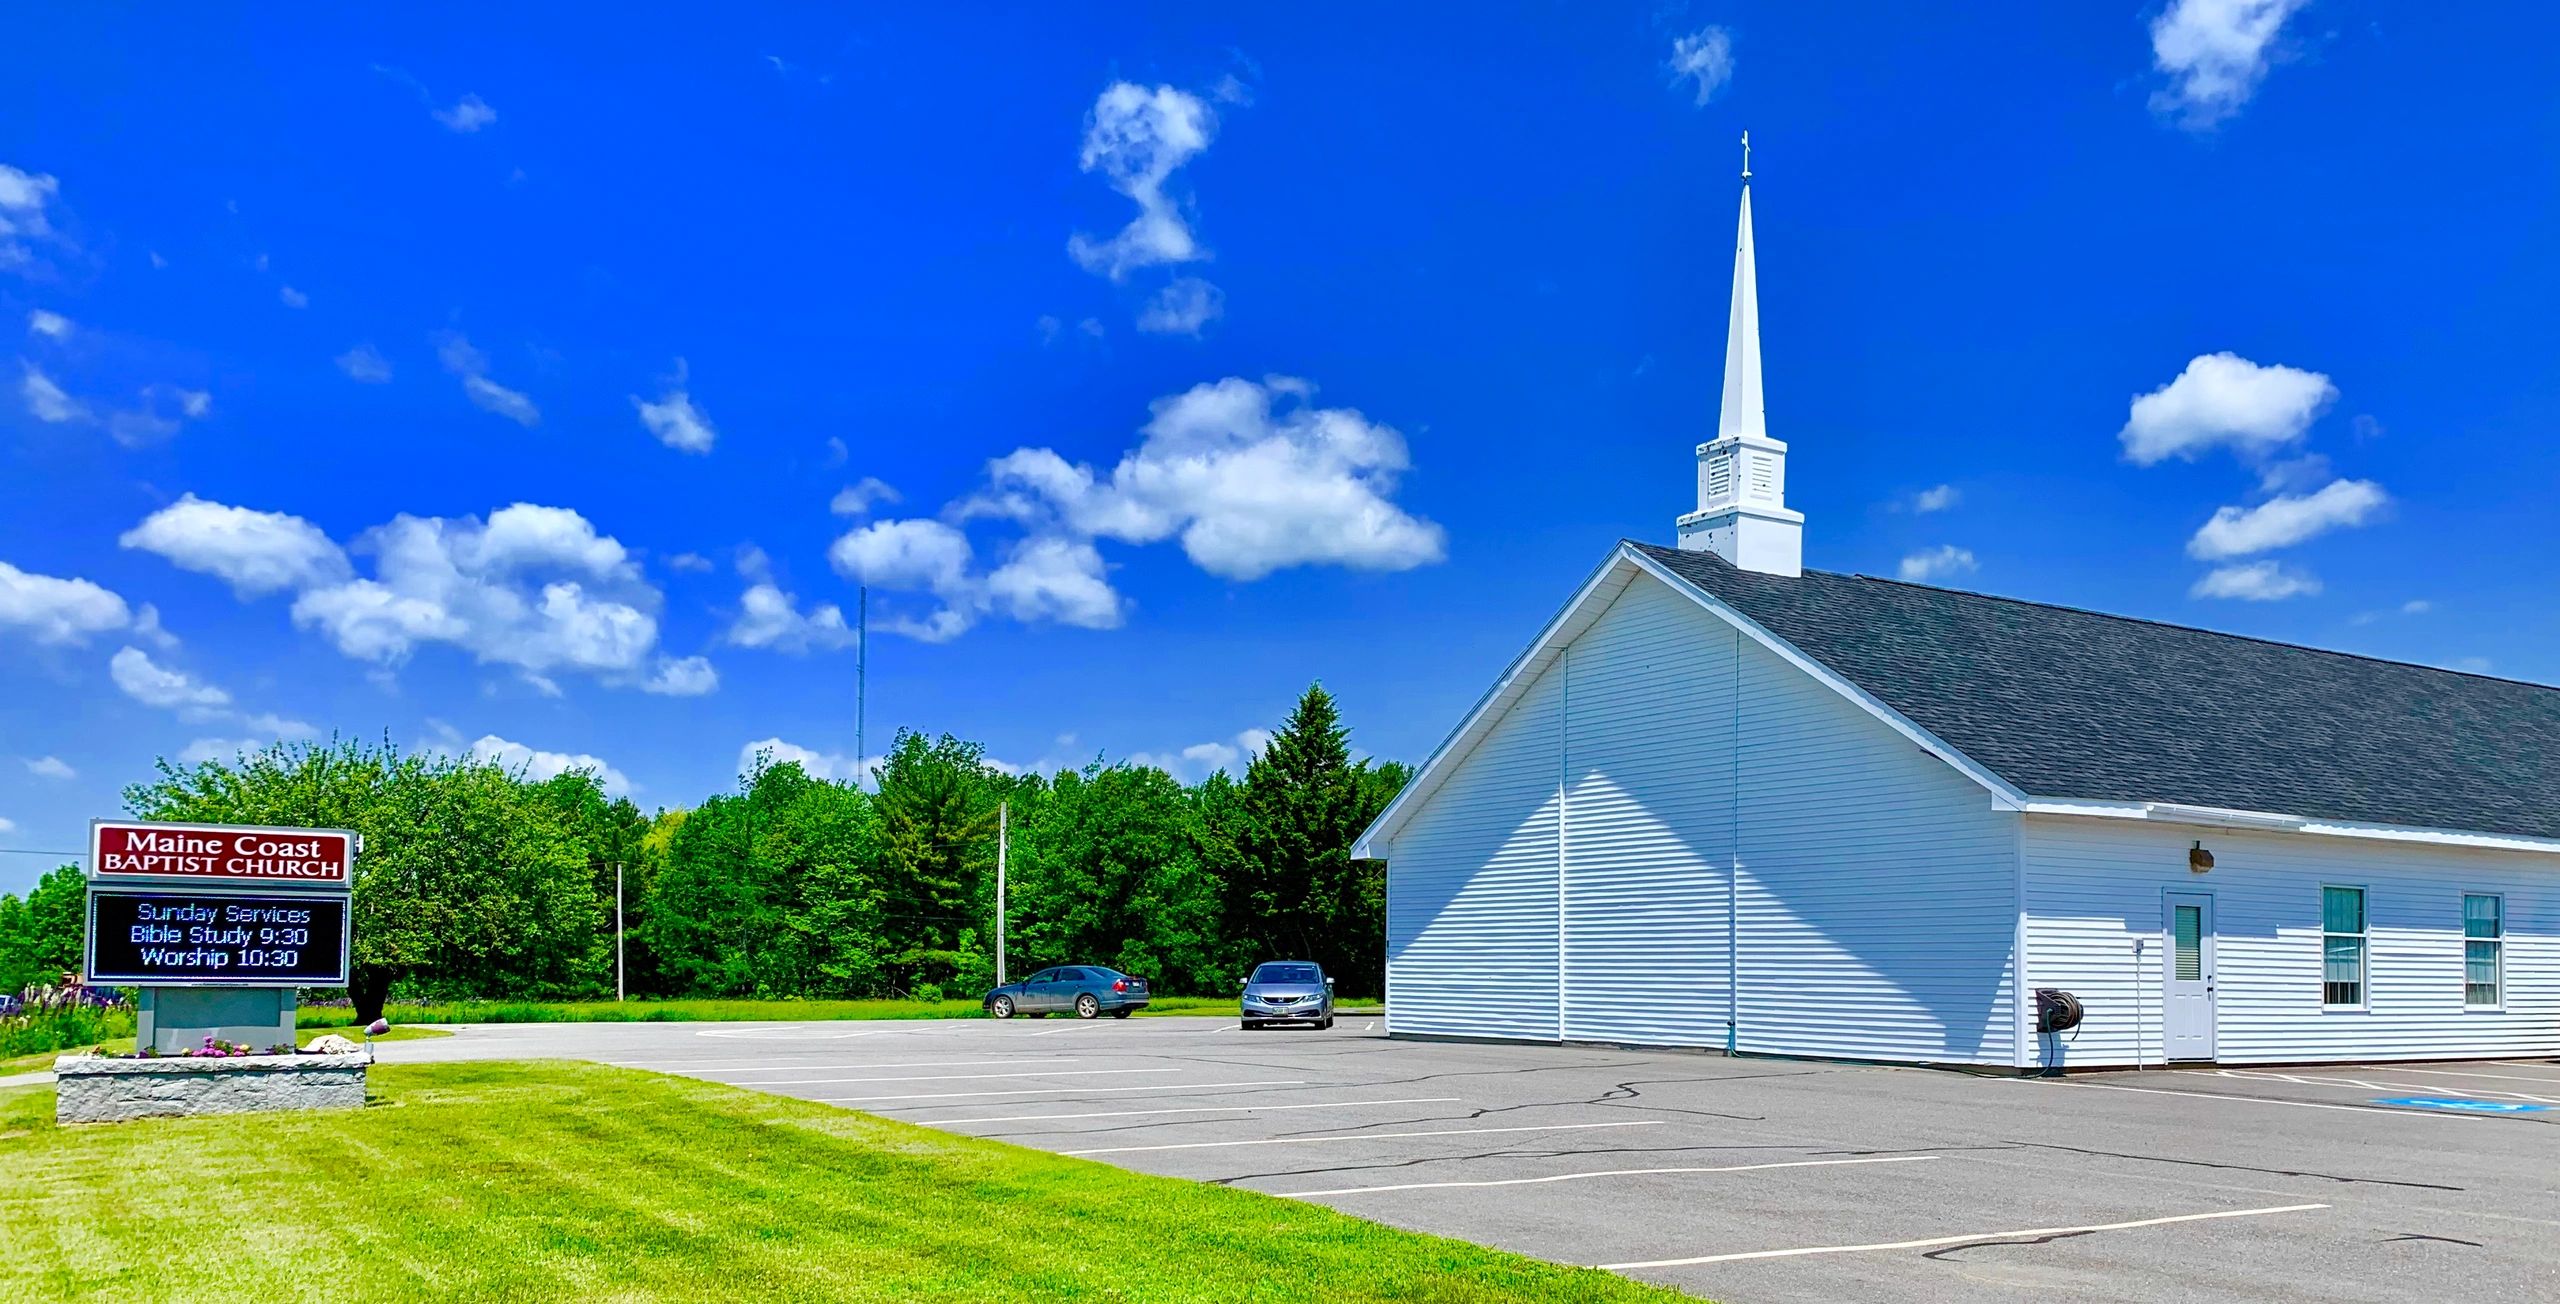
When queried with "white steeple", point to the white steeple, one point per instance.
{"points": [[1742, 511]]}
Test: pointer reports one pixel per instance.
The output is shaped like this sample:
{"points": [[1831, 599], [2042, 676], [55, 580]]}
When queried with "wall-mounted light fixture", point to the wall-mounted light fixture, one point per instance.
{"points": [[2199, 860]]}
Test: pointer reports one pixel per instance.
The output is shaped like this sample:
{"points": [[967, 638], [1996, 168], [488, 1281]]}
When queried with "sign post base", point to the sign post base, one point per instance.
{"points": [[173, 1019]]}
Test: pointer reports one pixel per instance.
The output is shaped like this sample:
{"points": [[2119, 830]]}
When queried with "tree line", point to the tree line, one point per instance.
{"points": [[481, 882]]}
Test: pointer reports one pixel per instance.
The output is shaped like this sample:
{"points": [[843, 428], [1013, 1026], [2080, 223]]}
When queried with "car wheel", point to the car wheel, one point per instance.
{"points": [[1327, 1025], [1250, 1025], [1001, 1007], [1120, 1014], [1087, 1007]]}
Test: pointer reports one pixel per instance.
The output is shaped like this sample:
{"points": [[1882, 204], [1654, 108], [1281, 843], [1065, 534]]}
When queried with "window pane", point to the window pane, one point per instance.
{"points": [[2188, 923], [2343, 973], [2481, 916], [2342, 909], [2480, 973]]}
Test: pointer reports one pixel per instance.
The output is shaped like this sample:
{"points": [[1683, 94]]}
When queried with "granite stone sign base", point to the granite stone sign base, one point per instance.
{"points": [[102, 1089]]}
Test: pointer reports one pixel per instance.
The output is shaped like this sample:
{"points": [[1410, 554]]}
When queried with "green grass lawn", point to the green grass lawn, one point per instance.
{"points": [[710, 1011], [575, 1181], [42, 1061]]}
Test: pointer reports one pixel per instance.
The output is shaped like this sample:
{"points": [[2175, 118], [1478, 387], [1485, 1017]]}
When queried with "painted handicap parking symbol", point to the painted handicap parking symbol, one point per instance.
{"points": [[2465, 1106]]}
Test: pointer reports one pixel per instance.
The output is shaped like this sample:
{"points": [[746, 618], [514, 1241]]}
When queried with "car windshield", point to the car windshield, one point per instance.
{"points": [[1287, 973]]}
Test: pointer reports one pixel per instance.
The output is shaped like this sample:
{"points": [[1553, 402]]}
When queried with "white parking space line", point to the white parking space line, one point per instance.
{"points": [[766, 1066], [1613, 1172], [2269, 1100], [1359, 1136], [1192, 1109], [1057, 1091], [2021, 1234], [2502, 1077], [945, 1077], [787, 1034], [2371, 1084]]}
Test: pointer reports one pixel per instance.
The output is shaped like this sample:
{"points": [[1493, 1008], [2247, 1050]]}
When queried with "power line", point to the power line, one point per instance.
{"points": [[31, 851]]}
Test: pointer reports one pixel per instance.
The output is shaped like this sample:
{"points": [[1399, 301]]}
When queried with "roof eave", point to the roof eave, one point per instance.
{"points": [[2216, 817]]}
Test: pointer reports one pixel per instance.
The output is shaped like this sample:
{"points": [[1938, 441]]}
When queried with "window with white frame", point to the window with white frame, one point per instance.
{"points": [[2342, 947], [2484, 941]]}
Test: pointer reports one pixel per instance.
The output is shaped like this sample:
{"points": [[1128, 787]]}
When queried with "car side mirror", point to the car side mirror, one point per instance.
{"points": [[1242, 983], [1328, 982]]}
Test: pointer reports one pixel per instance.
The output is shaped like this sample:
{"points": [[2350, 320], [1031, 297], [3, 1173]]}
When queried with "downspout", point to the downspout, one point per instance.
{"points": [[1733, 870], [1564, 732]]}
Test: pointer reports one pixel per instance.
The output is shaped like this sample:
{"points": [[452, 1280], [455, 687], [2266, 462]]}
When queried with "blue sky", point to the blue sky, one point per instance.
{"points": [[499, 380]]}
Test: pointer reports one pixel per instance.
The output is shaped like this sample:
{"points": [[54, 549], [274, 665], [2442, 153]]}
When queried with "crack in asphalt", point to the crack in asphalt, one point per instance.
{"points": [[2002, 1243], [1508, 1153], [2422, 1236], [2241, 1168]]}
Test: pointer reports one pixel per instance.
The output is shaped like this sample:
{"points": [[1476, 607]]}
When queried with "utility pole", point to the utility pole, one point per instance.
{"points": [[861, 672], [1001, 813], [617, 930]]}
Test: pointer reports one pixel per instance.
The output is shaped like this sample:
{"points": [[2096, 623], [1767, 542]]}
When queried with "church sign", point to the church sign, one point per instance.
{"points": [[197, 855], [155, 937]]}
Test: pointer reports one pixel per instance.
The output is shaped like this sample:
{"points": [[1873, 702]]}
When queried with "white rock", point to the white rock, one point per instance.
{"points": [[332, 1044]]}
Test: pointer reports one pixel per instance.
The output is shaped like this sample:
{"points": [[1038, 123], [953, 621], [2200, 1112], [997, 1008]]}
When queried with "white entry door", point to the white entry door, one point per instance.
{"points": [[2187, 977]]}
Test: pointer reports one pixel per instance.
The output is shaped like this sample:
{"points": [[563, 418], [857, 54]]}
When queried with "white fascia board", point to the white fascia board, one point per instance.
{"points": [[2269, 821], [2004, 796], [1605, 583]]}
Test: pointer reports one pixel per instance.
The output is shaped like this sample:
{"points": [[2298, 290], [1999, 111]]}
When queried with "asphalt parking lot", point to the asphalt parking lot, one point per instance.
{"points": [[1739, 1179]]}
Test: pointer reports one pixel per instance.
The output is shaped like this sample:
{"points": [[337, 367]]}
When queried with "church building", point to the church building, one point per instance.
{"points": [[1725, 802]]}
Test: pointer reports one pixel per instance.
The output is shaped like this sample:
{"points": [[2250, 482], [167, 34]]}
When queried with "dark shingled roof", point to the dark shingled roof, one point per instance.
{"points": [[2074, 704]]}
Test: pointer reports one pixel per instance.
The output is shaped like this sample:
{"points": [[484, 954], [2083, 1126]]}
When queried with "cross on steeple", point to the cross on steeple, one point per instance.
{"points": [[1746, 156]]}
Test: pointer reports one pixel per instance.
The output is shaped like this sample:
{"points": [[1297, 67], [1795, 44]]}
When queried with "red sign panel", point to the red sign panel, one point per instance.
{"points": [[205, 854]]}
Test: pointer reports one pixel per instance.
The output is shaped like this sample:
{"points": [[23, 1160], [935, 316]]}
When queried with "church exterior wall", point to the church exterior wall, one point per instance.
{"points": [[1677, 838], [2095, 886]]}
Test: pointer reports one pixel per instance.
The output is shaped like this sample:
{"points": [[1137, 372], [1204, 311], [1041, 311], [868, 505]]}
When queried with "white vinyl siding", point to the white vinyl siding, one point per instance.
{"points": [[2094, 886], [1878, 888], [1648, 823], [1471, 887]]}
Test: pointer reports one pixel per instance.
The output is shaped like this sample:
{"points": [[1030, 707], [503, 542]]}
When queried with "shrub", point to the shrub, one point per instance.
{"points": [[62, 1018], [929, 993]]}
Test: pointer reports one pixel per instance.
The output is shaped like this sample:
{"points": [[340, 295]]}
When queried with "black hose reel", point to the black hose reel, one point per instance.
{"points": [[2056, 1010]]}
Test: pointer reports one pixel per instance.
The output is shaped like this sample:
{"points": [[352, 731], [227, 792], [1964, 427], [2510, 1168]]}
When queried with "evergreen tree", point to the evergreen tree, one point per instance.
{"points": [[1292, 890]]}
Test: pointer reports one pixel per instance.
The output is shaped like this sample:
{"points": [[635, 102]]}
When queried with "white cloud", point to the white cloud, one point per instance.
{"points": [[46, 400], [468, 114], [51, 767], [8, 825], [1705, 59], [23, 199], [674, 419], [2223, 399], [2416, 607], [255, 552], [2294, 474], [692, 562], [1136, 137], [1250, 477], [537, 765], [859, 498], [51, 325], [834, 767], [146, 626], [2258, 581], [293, 298], [2214, 53], [57, 611], [2284, 521], [152, 684], [1183, 307], [1938, 563], [683, 677], [769, 618], [1051, 578], [536, 589], [363, 363], [1936, 499], [280, 727], [1198, 760], [469, 363]]}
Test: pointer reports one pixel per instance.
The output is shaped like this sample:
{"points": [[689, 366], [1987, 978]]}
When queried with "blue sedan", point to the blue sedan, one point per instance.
{"points": [[1088, 991]]}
